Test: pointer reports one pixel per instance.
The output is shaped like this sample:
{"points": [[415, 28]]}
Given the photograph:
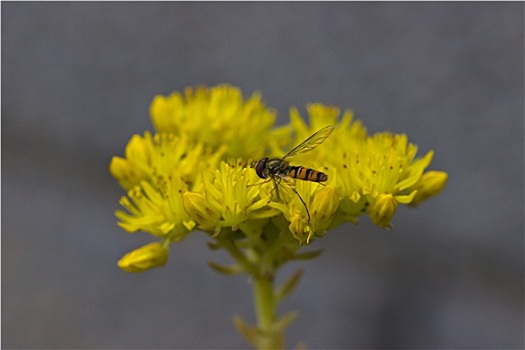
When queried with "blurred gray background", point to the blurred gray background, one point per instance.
{"points": [[77, 82]]}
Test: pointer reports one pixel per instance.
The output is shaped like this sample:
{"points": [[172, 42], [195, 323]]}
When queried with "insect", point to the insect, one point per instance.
{"points": [[278, 169]]}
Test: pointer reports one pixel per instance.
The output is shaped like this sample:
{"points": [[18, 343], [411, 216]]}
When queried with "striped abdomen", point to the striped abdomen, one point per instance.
{"points": [[307, 174]]}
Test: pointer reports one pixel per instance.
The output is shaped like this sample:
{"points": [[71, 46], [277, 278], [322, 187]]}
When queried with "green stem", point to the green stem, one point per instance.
{"points": [[264, 302], [260, 261], [265, 309]]}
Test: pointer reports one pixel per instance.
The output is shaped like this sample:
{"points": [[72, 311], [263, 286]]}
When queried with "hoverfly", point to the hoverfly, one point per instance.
{"points": [[278, 169]]}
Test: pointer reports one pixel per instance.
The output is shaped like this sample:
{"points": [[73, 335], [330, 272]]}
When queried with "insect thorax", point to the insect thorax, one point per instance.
{"points": [[276, 167]]}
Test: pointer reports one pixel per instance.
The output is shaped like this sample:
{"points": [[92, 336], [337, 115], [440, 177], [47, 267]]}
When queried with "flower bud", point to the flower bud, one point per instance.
{"points": [[144, 258], [383, 209], [430, 184], [323, 209], [201, 211]]}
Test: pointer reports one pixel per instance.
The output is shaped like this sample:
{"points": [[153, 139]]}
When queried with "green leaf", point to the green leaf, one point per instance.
{"points": [[224, 269], [253, 335], [214, 246], [308, 255], [288, 286], [286, 320]]}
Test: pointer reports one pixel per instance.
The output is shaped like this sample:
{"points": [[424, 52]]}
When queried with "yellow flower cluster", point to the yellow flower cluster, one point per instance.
{"points": [[216, 117], [195, 172]]}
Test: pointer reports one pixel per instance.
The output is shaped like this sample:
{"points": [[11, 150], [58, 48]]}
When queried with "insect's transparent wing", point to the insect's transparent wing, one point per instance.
{"points": [[282, 183], [311, 142]]}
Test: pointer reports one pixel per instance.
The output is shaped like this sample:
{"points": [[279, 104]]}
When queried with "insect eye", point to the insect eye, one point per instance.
{"points": [[259, 168]]}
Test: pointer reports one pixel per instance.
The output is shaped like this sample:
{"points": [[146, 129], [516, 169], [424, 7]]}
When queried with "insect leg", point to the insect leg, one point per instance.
{"points": [[291, 184], [260, 183], [302, 201], [276, 187]]}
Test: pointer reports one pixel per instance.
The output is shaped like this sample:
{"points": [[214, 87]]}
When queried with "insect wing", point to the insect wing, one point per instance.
{"points": [[282, 184], [311, 142]]}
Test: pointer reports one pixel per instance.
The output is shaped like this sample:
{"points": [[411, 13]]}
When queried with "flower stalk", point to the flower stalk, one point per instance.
{"points": [[265, 309], [260, 259], [269, 331], [194, 174]]}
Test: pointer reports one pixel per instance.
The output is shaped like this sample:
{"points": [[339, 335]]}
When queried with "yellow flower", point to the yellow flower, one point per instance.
{"points": [[137, 164], [178, 179], [159, 211], [148, 157], [368, 172], [216, 116], [144, 258], [322, 203], [229, 198], [192, 174]]}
